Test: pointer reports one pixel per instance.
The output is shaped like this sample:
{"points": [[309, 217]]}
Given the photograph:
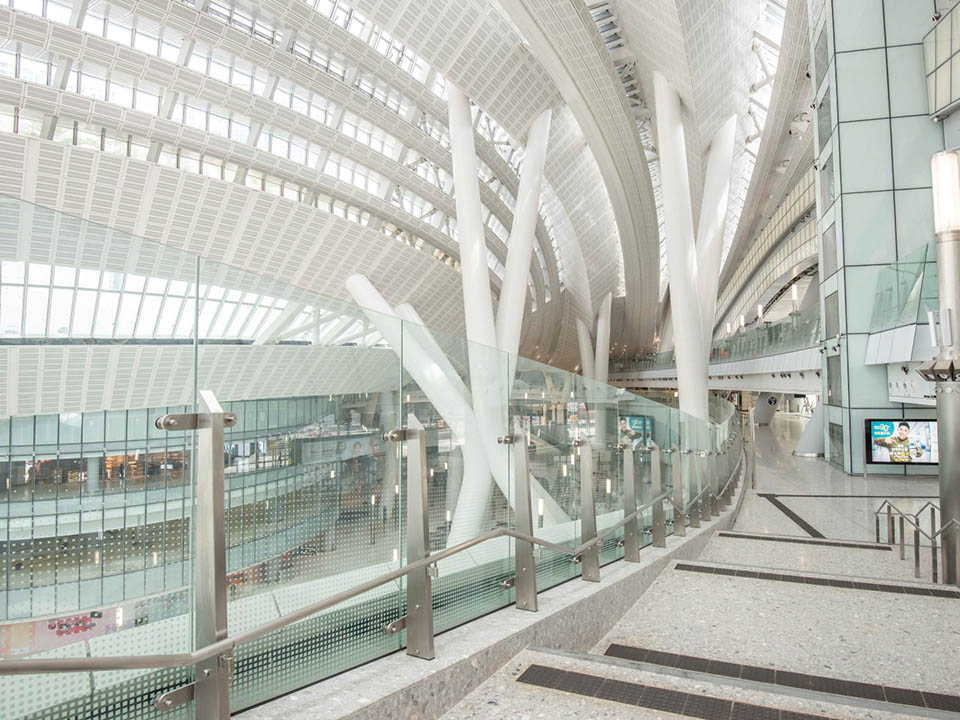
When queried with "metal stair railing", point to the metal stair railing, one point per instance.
{"points": [[896, 516]]}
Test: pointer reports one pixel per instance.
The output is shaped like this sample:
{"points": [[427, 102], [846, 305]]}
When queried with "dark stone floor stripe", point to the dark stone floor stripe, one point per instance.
{"points": [[860, 497], [918, 590], [804, 541], [834, 686], [800, 522], [694, 705]]}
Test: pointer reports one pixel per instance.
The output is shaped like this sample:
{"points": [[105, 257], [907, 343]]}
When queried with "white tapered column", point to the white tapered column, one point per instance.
{"points": [[601, 364], [586, 349], [681, 251], [713, 218], [513, 292], [477, 303], [488, 372]]}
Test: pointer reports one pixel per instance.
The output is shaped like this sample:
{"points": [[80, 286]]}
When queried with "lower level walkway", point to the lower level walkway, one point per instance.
{"points": [[796, 613]]}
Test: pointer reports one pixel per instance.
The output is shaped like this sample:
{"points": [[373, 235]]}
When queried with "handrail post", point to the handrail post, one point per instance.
{"points": [[631, 541], [711, 461], [419, 618], [891, 534], [688, 461], [212, 679], [916, 551], [956, 554], [590, 559], [704, 482], [902, 555], [656, 489], [525, 569], [676, 474], [933, 544]]}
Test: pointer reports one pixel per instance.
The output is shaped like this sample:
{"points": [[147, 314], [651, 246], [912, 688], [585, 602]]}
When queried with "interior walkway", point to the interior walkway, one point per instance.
{"points": [[771, 621]]}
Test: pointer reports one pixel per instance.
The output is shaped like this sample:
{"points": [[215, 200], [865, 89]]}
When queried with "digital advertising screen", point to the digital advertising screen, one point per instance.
{"points": [[637, 429], [894, 442]]}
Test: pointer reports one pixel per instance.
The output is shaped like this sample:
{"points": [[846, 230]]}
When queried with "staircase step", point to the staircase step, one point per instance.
{"points": [[851, 544], [838, 557], [921, 589]]}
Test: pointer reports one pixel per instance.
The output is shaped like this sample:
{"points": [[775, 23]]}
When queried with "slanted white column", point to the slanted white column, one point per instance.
{"points": [[681, 251], [422, 357], [713, 217], [446, 398], [488, 371], [477, 303], [586, 349], [601, 365], [666, 333], [513, 292], [499, 457], [417, 328], [605, 398]]}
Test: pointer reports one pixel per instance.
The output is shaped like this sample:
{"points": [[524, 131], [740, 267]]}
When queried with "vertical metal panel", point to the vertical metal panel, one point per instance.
{"points": [[656, 487], [526, 569], [419, 595], [631, 541], [679, 521], [210, 564], [590, 560], [689, 472], [699, 462]]}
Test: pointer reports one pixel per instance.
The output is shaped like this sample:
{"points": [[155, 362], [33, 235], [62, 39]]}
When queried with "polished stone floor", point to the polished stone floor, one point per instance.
{"points": [[869, 636]]}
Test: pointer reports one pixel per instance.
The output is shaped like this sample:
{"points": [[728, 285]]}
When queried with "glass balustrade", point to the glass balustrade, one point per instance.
{"points": [[797, 331], [102, 333], [905, 291]]}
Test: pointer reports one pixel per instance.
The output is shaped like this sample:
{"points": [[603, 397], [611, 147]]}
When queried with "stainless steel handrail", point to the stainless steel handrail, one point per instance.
{"points": [[142, 662], [918, 532], [912, 519], [225, 646]]}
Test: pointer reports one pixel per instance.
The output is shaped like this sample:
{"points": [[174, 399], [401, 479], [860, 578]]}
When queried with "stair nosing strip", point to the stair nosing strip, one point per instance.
{"points": [[800, 540], [863, 579], [801, 693]]}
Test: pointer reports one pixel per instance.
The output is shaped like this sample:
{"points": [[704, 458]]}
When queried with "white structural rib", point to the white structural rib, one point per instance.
{"points": [[483, 456], [522, 234], [586, 349], [681, 252], [713, 216], [565, 40], [602, 362], [477, 303]]}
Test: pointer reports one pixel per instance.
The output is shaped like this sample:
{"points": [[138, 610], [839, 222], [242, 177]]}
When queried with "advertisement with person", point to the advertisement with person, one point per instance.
{"points": [[902, 441], [636, 430]]}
